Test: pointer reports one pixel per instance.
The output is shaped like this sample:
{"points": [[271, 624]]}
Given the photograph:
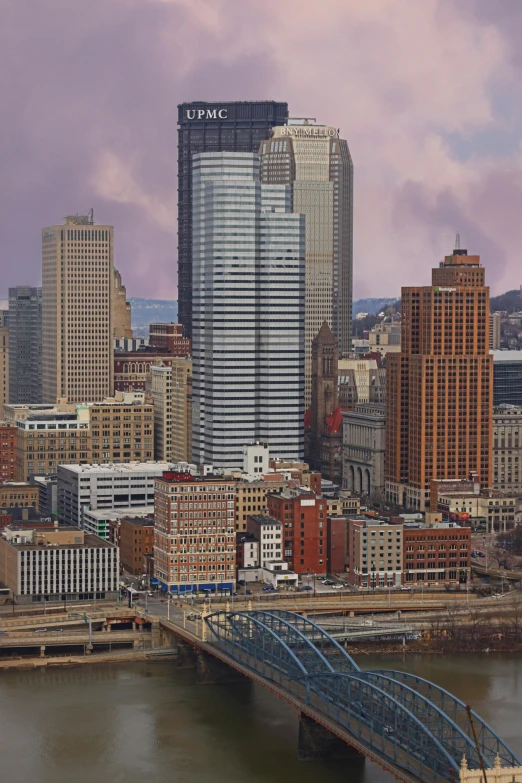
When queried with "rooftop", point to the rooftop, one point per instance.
{"points": [[506, 356], [89, 542], [264, 519], [118, 467], [102, 514]]}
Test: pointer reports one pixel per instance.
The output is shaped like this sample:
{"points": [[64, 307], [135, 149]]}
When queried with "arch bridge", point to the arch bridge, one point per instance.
{"points": [[408, 725]]}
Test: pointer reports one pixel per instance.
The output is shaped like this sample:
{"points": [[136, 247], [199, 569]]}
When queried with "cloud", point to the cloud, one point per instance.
{"points": [[89, 94]]}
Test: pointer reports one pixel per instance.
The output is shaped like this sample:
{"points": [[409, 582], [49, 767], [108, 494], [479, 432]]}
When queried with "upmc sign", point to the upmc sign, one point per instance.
{"points": [[206, 114]]}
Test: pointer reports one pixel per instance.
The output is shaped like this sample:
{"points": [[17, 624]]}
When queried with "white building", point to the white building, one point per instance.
{"points": [[255, 461], [105, 487], [248, 272], [269, 532], [98, 522]]}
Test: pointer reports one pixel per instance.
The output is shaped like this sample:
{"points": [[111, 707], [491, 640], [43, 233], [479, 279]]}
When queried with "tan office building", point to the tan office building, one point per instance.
{"points": [[318, 165], [119, 429], [507, 448], [77, 311], [171, 391], [121, 310]]}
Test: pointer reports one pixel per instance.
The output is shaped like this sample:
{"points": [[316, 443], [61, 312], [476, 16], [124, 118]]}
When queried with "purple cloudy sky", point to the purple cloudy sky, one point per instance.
{"points": [[427, 92]]}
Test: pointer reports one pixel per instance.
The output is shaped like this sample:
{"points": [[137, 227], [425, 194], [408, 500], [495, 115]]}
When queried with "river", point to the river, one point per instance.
{"points": [[151, 723]]}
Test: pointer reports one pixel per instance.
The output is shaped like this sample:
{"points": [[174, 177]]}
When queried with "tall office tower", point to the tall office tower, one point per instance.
{"points": [[239, 126], [439, 393], [171, 391], [4, 359], [121, 310], [248, 338], [25, 345], [77, 293], [318, 165]]}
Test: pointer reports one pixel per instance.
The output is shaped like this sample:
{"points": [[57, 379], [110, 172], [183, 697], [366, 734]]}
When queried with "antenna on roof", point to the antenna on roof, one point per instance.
{"points": [[457, 241]]}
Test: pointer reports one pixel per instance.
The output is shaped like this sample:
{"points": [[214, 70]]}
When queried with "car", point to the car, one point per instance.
{"points": [[328, 582], [307, 588], [41, 630], [268, 588], [481, 554], [57, 630], [248, 592], [405, 588], [337, 587], [241, 582]]}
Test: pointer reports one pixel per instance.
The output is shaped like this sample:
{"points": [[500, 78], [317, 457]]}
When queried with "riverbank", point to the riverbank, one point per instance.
{"points": [[69, 661]]}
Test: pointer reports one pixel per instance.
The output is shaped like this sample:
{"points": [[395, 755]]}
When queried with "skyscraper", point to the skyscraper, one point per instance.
{"points": [[77, 334], [248, 338], [239, 126], [25, 345], [439, 393], [318, 166], [4, 357], [121, 310]]}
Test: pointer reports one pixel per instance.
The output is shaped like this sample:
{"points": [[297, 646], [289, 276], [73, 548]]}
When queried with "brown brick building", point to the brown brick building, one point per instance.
{"points": [[440, 387], [436, 555], [18, 494], [7, 451], [169, 339], [136, 539], [303, 516], [131, 368]]}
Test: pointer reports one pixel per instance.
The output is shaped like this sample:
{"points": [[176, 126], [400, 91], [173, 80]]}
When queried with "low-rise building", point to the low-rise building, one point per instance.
{"points": [[384, 338], [364, 434], [62, 564], [18, 494], [268, 531], [375, 553], [436, 555], [247, 550], [343, 503], [275, 573], [507, 449], [47, 494], [136, 540], [105, 523], [168, 337], [105, 487], [464, 500]]}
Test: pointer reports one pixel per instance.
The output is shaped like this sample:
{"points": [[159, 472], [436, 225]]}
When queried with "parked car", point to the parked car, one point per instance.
{"points": [[328, 582], [337, 587], [268, 588], [307, 588], [241, 582], [248, 592], [41, 630]]}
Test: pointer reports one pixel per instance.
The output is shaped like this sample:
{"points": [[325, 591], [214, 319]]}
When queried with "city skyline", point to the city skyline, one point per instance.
{"points": [[429, 161]]}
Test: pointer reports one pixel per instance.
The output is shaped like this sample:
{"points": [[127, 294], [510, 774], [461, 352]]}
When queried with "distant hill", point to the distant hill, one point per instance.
{"points": [[371, 306], [511, 302], [146, 311]]}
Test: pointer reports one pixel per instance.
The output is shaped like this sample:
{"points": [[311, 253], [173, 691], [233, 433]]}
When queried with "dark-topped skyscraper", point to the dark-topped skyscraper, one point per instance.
{"points": [[239, 126], [439, 394], [25, 344]]}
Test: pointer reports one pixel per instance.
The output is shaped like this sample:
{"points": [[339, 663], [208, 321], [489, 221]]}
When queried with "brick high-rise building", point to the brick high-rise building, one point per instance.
{"points": [[7, 451], [194, 533], [77, 311], [169, 339], [303, 516], [440, 387]]}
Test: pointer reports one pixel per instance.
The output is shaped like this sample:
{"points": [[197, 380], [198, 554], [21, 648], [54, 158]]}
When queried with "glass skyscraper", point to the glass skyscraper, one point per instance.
{"points": [[25, 345], [249, 297], [238, 126], [318, 166]]}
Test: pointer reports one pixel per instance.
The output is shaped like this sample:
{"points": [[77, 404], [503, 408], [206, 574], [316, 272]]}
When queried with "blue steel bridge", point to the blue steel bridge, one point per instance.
{"points": [[409, 726]]}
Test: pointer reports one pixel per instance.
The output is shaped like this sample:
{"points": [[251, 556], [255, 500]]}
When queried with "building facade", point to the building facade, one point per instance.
{"points": [[507, 377], [4, 359], [238, 126], [136, 540], [364, 446], [439, 400], [268, 532], [18, 494], [102, 487], [385, 338], [436, 555], [119, 429], [248, 313], [61, 564], [495, 321], [121, 310], [194, 533], [25, 345], [507, 448], [171, 391], [317, 164], [7, 452], [375, 553], [361, 380], [325, 437], [303, 517], [77, 311], [168, 338]]}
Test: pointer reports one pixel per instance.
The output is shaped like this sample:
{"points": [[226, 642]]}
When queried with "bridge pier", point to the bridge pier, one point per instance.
{"points": [[212, 671], [186, 656], [316, 743]]}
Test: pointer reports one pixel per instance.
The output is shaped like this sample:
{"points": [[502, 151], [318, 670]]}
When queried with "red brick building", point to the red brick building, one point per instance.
{"points": [[303, 516], [169, 339], [436, 555], [336, 545], [131, 367], [136, 539], [7, 451]]}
